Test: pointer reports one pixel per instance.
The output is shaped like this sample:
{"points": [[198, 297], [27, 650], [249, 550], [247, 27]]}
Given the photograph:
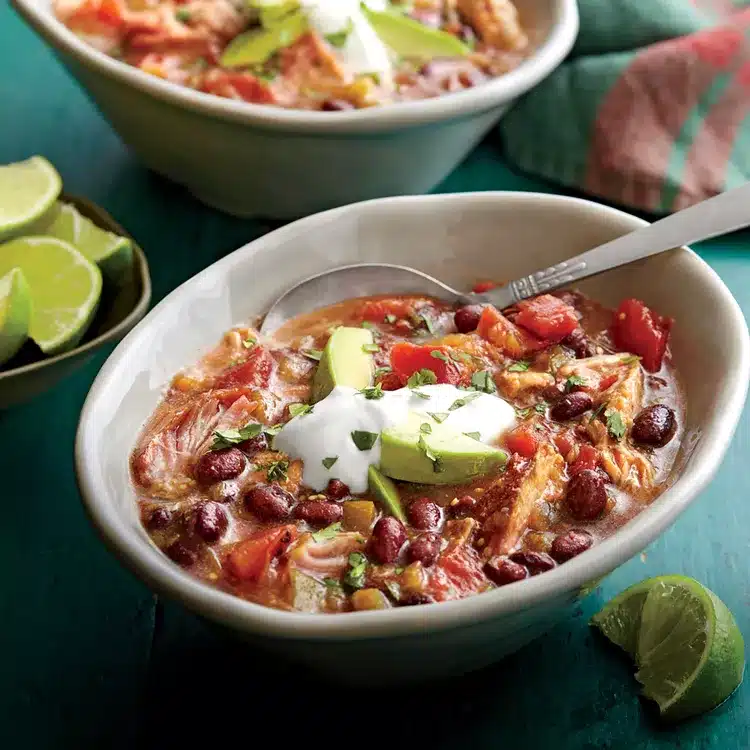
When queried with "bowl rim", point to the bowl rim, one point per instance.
{"points": [[136, 313], [545, 59], [140, 555]]}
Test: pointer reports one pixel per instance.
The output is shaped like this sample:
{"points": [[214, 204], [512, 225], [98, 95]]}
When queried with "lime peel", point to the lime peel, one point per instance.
{"points": [[688, 648]]}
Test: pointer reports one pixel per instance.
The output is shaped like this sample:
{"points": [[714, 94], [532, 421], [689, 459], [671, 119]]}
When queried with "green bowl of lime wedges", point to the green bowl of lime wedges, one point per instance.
{"points": [[71, 280]]}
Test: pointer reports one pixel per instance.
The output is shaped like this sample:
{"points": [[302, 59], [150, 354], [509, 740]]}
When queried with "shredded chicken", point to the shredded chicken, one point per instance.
{"points": [[516, 384], [507, 505], [496, 22], [328, 557]]}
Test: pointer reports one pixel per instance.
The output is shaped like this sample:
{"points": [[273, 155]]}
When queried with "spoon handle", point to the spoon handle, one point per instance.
{"points": [[719, 215]]}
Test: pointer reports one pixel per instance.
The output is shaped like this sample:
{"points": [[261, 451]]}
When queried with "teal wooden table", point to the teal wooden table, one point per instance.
{"points": [[90, 658]]}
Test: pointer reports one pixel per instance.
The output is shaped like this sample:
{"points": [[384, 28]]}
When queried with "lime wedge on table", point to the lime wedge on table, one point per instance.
{"points": [[113, 254], [15, 313], [686, 643], [27, 191], [65, 289]]}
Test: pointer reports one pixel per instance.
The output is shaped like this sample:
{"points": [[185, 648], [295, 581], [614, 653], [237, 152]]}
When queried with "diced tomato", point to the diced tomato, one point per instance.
{"points": [[111, 12], [638, 330], [255, 371], [588, 458], [547, 317], [494, 327], [243, 86], [390, 382], [564, 442], [406, 359], [457, 574], [484, 286], [607, 380], [376, 310], [521, 441], [250, 558]]}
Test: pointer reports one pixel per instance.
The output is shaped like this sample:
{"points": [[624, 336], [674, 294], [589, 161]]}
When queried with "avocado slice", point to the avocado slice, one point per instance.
{"points": [[436, 454], [386, 492], [409, 38], [344, 362], [257, 46]]}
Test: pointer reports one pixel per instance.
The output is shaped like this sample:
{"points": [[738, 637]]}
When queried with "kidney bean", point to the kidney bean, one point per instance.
{"points": [[388, 538], [587, 496], [654, 426], [181, 554], [467, 318], [571, 543], [254, 445], [580, 343], [414, 599], [159, 519], [425, 549], [336, 105], [337, 490], [571, 406], [269, 502], [216, 466], [319, 512], [534, 562], [210, 522], [424, 515], [501, 570], [463, 506]]}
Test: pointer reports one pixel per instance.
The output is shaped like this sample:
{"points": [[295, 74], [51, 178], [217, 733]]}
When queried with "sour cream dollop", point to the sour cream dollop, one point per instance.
{"points": [[362, 50], [325, 433]]}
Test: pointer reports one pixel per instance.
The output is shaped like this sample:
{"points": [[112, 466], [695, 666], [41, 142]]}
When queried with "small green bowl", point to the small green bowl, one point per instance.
{"points": [[29, 373]]}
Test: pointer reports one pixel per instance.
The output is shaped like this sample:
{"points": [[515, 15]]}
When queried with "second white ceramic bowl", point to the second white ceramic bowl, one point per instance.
{"points": [[254, 160], [458, 238]]}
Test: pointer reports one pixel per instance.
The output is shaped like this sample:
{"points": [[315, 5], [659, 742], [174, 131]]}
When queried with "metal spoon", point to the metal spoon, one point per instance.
{"points": [[719, 215]]}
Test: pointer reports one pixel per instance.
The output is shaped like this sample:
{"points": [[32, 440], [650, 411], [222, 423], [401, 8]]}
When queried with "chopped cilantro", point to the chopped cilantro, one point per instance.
{"points": [[370, 327], [228, 438], [573, 381], [273, 430], [615, 425], [370, 348], [520, 366], [331, 583], [425, 428], [484, 382], [459, 402], [327, 533], [473, 435], [278, 470], [632, 359], [183, 15], [364, 440], [439, 416], [390, 318], [398, 571], [373, 393], [330, 461], [439, 355], [459, 356], [338, 38], [249, 342], [382, 371], [355, 576], [523, 413], [298, 410], [437, 465], [421, 377], [315, 354], [419, 394], [599, 409], [429, 323], [541, 407]]}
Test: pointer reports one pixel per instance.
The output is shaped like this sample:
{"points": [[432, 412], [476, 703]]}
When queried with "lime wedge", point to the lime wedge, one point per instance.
{"points": [[689, 650], [27, 191], [113, 254], [65, 289], [15, 313]]}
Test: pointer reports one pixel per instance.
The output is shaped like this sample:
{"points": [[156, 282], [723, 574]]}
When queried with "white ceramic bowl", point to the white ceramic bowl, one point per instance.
{"points": [[255, 160], [458, 238]]}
